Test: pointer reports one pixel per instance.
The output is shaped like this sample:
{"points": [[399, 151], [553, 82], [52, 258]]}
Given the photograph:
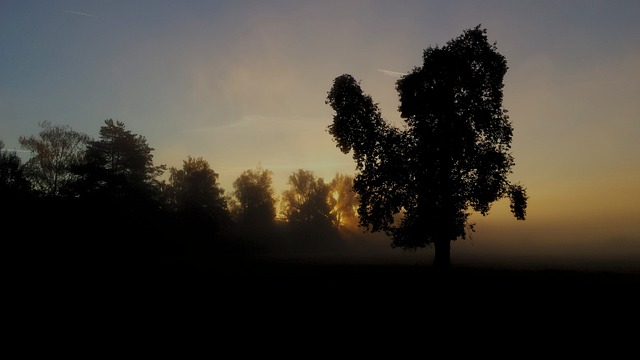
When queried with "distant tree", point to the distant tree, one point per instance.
{"points": [[343, 201], [12, 179], [54, 153], [119, 165], [253, 200], [194, 191], [453, 155], [16, 207], [306, 201]]}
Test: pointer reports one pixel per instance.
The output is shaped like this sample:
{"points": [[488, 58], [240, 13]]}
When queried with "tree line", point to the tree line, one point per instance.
{"points": [[109, 189]]}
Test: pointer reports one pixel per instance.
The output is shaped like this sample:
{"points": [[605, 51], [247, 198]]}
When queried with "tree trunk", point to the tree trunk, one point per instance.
{"points": [[442, 257]]}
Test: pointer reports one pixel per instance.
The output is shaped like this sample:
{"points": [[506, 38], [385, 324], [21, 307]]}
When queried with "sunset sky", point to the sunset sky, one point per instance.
{"points": [[243, 84]]}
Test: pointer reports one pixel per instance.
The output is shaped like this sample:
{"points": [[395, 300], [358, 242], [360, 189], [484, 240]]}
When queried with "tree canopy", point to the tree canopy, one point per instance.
{"points": [[120, 164], [419, 183], [253, 201], [194, 190], [54, 154], [343, 201], [306, 201], [13, 182]]}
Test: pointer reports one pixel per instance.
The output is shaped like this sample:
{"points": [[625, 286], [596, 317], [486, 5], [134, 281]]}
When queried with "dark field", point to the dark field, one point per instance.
{"points": [[359, 279], [319, 282], [367, 296], [250, 290], [287, 299]]}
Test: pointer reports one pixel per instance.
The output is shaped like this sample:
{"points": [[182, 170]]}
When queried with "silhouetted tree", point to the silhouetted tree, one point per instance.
{"points": [[119, 166], [453, 155], [12, 178], [253, 201], [15, 189], [194, 191], [118, 194], [343, 201], [54, 153], [307, 199], [198, 208]]}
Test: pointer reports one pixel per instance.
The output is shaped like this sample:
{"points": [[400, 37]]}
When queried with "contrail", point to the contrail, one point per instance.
{"points": [[78, 13], [392, 73]]}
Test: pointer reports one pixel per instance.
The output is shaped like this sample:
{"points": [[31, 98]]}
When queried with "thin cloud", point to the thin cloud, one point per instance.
{"points": [[16, 150], [79, 13], [392, 73], [260, 122]]}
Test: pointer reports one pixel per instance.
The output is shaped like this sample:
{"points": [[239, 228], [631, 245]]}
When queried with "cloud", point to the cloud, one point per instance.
{"points": [[79, 13], [262, 123], [16, 150], [392, 73]]}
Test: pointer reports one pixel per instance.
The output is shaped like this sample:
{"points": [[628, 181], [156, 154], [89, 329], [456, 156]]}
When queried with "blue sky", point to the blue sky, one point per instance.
{"points": [[243, 83]]}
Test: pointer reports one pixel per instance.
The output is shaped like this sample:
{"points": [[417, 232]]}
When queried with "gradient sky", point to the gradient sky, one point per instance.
{"points": [[243, 83]]}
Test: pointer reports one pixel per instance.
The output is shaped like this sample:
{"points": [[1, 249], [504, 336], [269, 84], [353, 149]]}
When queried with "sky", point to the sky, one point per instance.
{"points": [[242, 84]]}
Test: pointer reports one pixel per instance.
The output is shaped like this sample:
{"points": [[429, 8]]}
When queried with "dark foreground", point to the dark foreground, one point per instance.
{"points": [[308, 285], [332, 283], [310, 304]]}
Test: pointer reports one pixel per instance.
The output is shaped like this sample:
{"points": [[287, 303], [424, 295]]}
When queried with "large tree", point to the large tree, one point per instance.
{"points": [[54, 153], [418, 184]]}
